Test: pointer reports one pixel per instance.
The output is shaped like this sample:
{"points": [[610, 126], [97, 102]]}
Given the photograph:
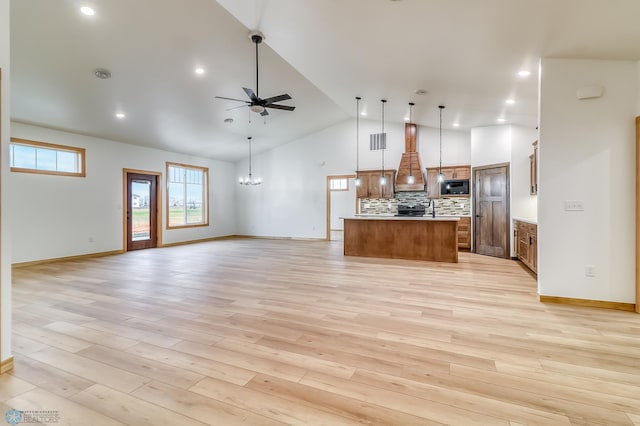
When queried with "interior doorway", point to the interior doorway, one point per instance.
{"points": [[141, 209], [491, 210], [341, 202]]}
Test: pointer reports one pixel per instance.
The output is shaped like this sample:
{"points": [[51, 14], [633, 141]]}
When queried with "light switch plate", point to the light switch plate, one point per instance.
{"points": [[573, 206]]}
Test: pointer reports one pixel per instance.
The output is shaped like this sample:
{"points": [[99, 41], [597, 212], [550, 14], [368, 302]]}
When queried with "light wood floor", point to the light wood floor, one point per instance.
{"points": [[291, 332]]}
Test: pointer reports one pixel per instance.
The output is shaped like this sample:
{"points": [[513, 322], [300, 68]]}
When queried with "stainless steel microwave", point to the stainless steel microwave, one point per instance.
{"points": [[455, 187]]}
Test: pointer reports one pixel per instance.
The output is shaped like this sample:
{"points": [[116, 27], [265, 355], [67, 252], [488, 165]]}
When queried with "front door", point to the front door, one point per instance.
{"points": [[142, 211], [491, 210]]}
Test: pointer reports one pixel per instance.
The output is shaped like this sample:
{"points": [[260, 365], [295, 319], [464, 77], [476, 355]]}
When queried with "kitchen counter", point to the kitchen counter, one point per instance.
{"points": [[526, 220], [394, 217], [402, 237]]}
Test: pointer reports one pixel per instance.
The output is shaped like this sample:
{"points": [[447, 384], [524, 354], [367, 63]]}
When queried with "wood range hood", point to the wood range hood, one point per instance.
{"points": [[410, 162]]}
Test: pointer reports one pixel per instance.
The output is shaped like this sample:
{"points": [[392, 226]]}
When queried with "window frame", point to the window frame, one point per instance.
{"points": [[81, 152], [339, 189], [205, 195]]}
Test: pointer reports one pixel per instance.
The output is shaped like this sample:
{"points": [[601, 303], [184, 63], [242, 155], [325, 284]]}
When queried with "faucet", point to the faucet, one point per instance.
{"points": [[433, 207]]}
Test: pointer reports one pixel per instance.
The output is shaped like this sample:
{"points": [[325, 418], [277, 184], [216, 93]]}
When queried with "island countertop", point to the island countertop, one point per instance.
{"points": [[393, 217]]}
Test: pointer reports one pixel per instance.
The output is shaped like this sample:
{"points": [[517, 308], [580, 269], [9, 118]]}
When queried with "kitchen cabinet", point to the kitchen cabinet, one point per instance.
{"points": [[533, 170], [464, 233], [370, 186], [526, 243], [450, 173]]}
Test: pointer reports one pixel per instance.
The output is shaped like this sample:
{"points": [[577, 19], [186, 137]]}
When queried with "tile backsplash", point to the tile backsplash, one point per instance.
{"points": [[455, 206]]}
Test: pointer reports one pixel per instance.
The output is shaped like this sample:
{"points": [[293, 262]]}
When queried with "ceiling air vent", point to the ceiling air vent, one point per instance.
{"points": [[377, 141]]}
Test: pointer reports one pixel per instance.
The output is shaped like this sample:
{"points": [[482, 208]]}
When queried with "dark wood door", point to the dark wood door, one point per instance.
{"points": [[491, 210], [142, 211]]}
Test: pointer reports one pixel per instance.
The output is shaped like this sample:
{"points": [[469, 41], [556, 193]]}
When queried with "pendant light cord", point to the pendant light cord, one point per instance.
{"points": [[357, 136], [441, 108], [250, 177], [384, 137]]}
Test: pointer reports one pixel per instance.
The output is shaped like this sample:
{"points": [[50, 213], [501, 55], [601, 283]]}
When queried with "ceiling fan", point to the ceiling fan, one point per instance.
{"points": [[256, 104]]}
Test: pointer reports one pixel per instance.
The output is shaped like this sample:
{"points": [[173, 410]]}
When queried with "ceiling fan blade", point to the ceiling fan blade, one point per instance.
{"points": [[275, 99], [265, 112], [241, 106], [284, 107], [250, 94], [232, 99]]}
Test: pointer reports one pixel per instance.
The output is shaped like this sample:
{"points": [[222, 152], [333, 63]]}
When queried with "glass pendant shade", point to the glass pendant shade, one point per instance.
{"points": [[411, 180], [358, 181], [440, 177], [383, 180]]}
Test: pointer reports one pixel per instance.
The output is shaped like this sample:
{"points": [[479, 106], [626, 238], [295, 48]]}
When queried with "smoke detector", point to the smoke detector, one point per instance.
{"points": [[102, 73]]}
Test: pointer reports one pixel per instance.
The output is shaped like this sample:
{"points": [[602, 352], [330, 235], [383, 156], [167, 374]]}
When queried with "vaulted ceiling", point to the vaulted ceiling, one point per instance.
{"points": [[464, 53]]}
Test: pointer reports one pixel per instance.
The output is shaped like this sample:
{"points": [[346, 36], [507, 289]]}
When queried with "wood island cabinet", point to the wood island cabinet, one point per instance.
{"points": [[526, 243], [370, 186], [450, 172]]}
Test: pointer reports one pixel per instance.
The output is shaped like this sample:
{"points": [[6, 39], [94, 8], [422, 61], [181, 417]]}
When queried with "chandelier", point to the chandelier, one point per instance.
{"points": [[249, 179]]}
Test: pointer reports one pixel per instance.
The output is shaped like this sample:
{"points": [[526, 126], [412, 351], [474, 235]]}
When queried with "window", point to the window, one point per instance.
{"points": [[45, 158], [339, 184], [187, 196]]}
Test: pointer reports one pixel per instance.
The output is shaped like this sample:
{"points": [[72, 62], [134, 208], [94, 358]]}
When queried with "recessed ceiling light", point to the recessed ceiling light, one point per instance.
{"points": [[421, 92], [102, 73], [524, 73], [406, 119], [363, 113], [501, 120], [456, 124], [510, 101], [120, 115], [199, 70], [86, 10]]}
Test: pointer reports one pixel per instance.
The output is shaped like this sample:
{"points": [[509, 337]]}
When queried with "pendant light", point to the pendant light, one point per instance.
{"points": [[358, 181], [440, 175], [383, 179], [249, 180], [410, 179]]}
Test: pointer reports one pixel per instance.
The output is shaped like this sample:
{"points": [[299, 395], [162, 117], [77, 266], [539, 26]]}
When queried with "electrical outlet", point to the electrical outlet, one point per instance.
{"points": [[589, 271], [573, 206]]}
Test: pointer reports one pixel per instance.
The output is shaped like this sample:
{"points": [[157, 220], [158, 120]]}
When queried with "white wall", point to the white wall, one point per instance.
{"points": [[587, 153], [53, 216], [343, 203], [292, 200], [490, 145], [5, 229]]}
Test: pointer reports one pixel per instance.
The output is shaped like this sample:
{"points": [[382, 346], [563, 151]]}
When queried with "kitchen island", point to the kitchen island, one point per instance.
{"points": [[416, 238]]}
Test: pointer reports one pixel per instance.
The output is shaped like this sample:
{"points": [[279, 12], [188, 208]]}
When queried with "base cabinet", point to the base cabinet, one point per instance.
{"points": [[526, 243], [464, 233]]}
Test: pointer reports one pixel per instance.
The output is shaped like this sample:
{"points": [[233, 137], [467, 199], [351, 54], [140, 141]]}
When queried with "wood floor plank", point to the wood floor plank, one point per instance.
{"points": [[198, 407], [282, 330], [48, 377], [90, 370], [443, 413], [11, 386], [194, 363], [267, 405], [128, 409], [70, 413], [146, 367]]}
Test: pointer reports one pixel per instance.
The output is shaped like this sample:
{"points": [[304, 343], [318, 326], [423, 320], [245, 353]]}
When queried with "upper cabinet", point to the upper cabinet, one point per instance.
{"points": [[450, 173], [533, 170], [370, 186]]}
